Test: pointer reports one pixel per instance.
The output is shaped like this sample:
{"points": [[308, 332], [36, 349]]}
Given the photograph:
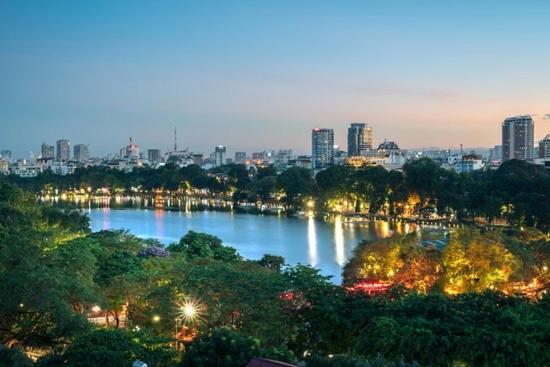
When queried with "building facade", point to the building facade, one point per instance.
{"points": [[154, 155], [544, 147], [63, 150], [240, 157], [81, 152], [48, 151], [359, 139], [219, 155], [322, 148], [518, 138]]}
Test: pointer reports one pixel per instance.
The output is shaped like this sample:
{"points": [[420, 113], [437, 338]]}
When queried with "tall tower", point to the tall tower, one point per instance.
{"points": [[63, 150], [175, 140], [219, 155], [81, 152], [322, 148], [48, 151], [359, 139], [518, 138], [544, 147]]}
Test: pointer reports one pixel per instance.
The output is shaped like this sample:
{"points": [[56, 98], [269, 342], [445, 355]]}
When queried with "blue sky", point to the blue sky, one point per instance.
{"points": [[260, 74]]}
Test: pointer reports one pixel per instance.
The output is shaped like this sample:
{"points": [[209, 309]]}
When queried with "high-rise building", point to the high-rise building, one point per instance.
{"points": [[219, 155], [131, 151], [517, 138], [48, 151], [544, 147], [81, 152], [240, 157], [359, 139], [153, 155], [63, 150], [322, 148]]}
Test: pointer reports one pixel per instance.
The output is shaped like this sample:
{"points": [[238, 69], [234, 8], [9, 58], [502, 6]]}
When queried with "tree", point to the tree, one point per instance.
{"points": [[195, 244], [474, 262], [14, 358], [265, 188], [423, 177], [41, 302], [272, 262], [223, 347], [116, 347], [297, 184]]}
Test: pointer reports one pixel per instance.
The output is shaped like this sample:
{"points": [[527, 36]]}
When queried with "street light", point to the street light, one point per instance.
{"points": [[189, 311]]}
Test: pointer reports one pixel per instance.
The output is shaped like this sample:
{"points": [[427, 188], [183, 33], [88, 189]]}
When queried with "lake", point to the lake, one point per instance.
{"points": [[326, 245]]}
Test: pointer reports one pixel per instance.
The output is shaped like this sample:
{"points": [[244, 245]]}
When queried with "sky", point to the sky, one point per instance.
{"points": [[256, 75]]}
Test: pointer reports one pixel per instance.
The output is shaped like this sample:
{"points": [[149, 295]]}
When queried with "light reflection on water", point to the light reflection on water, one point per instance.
{"points": [[339, 240], [326, 245], [312, 242]]}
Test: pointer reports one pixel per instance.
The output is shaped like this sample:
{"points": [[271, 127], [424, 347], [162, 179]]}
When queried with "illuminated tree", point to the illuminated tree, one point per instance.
{"points": [[474, 262]]}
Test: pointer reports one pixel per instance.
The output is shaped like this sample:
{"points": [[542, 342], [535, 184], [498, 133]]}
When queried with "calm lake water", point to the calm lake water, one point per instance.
{"points": [[326, 245]]}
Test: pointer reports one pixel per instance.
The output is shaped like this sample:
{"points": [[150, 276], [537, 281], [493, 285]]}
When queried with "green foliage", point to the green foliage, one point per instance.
{"points": [[195, 244], [223, 347], [14, 358], [399, 259], [297, 184], [272, 262], [40, 300], [52, 271], [475, 329], [115, 347], [475, 262]]}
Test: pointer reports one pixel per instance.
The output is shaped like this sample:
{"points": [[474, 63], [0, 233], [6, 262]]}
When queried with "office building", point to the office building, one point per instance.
{"points": [[240, 157], [219, 155], [359, 139], [322, 148], [544, 148], [48, 151], [63, 150], [517, 138], [154, 155], [81, 152]]}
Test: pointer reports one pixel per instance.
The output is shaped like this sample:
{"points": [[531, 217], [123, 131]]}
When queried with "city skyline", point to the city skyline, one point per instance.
{"points": [[254, 77]]}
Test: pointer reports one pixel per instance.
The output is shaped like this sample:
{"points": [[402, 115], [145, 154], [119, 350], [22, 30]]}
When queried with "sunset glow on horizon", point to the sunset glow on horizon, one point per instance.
{"points": [[251, 75]]}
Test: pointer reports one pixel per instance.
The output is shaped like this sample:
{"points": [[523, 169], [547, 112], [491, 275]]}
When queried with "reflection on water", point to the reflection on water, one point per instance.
{"points": [[159, 215], [324, 244], [312, 242], [382, 229], [339, 240]]}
